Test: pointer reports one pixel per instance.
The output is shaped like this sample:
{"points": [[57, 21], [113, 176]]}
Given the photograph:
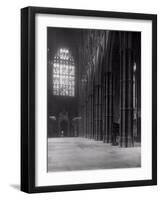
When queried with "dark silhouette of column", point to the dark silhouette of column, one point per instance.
{"points": [[126, 90], [81, 132], [98, 117], [90, 116], [87, 118], [106, 109], [99, 121], [110, 107], [93, 113], [96, 128]]}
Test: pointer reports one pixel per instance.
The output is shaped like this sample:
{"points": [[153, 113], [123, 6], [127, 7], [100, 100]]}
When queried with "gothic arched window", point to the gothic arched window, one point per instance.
{"points": [[63, 73]]}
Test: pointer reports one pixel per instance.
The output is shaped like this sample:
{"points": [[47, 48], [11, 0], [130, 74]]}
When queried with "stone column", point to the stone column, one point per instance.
{"points": [[98, 118], [90, 116], [81, 132], [110, 107], [99, 121], [87, 119], [86, 116], [126, 90], [91, 125], [96, 129], [84, 120], [94, 113], [138, 96], [106, 109]]}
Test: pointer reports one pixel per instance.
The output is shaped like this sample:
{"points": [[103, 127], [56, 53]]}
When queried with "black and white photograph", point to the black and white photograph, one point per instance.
{"points": [[93, 99], [89, 99]]}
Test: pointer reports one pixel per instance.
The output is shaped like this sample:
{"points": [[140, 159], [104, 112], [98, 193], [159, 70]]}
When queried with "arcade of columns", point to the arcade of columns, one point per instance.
{"points": [[96, 87]]}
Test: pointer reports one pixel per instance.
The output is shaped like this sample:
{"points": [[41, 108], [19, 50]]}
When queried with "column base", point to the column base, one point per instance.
{"points": [[126, 142]]}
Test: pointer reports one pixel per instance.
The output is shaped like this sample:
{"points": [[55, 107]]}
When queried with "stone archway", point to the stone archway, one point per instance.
{"points": [[64, 128], [63, 125]]}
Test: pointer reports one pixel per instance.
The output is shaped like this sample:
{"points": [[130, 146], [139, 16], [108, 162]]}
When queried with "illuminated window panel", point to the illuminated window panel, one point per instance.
{"points": [[63, 74]]}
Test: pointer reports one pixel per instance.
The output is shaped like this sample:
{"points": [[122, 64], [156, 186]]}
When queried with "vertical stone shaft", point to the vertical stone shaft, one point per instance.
{"points": [[82, 121], [85, 122], [86, 118], [138, 96], [89, 115], [103, 109], [110, 107], [126, 93], [99, 112], [92, 124], [106, 108], [95, 113]]}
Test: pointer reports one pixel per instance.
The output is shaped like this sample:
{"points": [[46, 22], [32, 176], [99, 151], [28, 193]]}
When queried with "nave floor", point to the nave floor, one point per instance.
{"points": [[67, 154]]}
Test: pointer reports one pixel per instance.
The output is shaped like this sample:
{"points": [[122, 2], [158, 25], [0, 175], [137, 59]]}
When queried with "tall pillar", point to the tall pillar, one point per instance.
{"points": [[96, 112], [138, 97], [106, 109], [93, 112], [110, 107], [126, 90], [90, 116], [99, 121], [82, 121], [88, 133], [87, 118]]}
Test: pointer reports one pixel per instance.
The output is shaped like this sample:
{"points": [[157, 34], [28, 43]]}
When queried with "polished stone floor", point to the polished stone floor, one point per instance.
{"points": [[67, 154]]}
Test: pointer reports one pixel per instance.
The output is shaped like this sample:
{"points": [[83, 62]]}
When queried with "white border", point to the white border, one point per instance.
{"points": [[77, 177]]}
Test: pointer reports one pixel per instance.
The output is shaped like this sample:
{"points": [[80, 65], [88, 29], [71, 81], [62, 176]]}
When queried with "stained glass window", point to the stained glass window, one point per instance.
{"points": [[63, 74]]}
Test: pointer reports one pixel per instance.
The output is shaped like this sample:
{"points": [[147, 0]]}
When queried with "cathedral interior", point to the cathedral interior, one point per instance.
{"points": [[93, 96]]}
